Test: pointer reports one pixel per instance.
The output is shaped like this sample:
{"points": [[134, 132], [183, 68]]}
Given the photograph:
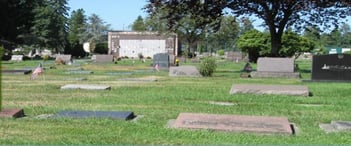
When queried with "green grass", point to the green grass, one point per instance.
{"points": [[159, 102]]}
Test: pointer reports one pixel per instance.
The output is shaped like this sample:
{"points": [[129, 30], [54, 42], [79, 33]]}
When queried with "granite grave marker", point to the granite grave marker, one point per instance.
{"points": [[332, 67], [162, 60], [234, 123], [296, 90], [268, 67]]}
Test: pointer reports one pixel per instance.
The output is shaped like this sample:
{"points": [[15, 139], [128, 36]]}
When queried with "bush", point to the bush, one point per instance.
{"points": [[208, 66], [220, 52], [101, 48]]}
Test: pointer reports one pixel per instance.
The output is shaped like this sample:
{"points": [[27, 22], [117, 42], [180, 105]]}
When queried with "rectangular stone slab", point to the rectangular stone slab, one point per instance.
{"points": [[234, 123], [17, 71], [121, 115], [86, 87], [297, 90], [11, 113]]}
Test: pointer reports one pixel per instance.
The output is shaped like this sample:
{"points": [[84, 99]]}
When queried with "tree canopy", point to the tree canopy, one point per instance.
{"points": [[276, 14]]}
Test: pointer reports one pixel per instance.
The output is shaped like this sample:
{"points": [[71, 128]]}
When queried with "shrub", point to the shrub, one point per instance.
{"points": [[101, 48], [208, 66], [220, 52]]}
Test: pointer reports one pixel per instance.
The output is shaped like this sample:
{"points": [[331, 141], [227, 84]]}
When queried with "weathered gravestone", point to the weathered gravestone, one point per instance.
{"points": [[234, 123], [121, 115], [102, 58], [296, 90], [65, 58], [184, 71], [275, 67], [234, 56], [336, 126], [17, 58], [333, 67], [86, 87], [162, 60]]}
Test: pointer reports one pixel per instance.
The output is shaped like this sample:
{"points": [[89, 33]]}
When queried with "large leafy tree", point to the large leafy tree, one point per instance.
{"points": [[76, 25], [225, 38], [276, 14], [49, 28]]}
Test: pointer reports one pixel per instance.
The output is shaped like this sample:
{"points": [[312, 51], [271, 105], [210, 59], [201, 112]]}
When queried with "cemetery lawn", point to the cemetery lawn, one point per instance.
{"points": [[155, 103]]}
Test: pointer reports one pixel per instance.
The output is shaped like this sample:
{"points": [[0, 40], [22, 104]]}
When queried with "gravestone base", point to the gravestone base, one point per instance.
{"points": [[233, 123], [121, 115], [11, 113], [257, 74]]}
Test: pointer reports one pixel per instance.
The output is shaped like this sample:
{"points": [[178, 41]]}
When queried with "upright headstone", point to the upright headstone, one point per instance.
{"points": [[275, 67], [65, 58], [17, 58], [333, 67], [103, 58], [162, 60], [234, 56]]}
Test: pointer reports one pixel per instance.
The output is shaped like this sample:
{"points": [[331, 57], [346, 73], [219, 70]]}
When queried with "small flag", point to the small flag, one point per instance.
{"points": [[37, 71], [157, 67]]}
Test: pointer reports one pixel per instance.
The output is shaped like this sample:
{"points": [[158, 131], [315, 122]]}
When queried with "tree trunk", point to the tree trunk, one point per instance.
{"points": [[276, 44]]}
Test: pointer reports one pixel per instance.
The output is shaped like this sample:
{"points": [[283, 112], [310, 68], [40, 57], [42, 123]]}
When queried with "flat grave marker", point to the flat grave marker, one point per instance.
{"points": [[86, 87], [63, 57], [11, 113], [234, 123], [17, 71], [336, 126], [121, 115], [79, 72], [296, 90], [184, 71]]}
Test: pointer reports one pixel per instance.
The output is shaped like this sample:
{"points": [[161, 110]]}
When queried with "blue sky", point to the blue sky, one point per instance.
{"points": [[118, 13]]}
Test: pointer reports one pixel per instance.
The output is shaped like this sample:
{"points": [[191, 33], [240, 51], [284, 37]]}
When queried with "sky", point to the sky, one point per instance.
{"points": [[120, 14]]}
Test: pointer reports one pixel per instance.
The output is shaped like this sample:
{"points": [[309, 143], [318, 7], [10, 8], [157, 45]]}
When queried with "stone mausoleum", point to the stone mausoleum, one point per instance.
{"points": [[131, 44]]}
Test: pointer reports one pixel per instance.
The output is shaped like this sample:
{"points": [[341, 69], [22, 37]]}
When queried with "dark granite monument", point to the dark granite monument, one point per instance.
{"points": [[121, 115], [162, 59], [332, 67], [234, 123]]}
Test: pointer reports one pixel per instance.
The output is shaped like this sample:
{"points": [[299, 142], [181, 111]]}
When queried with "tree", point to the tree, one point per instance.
{"points": [[17, 16], [76, 26], [138, 24], [49, 28], [276, 14], [225, 38], [95, 31], [252, 42]]}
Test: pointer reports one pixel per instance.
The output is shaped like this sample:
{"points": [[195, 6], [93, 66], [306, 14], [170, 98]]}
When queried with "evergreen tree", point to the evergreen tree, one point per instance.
{"points": [[138, 24], [76, 25]]}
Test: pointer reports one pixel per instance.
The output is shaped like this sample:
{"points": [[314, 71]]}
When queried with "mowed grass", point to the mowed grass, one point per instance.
{"points": [[155, 103]]}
